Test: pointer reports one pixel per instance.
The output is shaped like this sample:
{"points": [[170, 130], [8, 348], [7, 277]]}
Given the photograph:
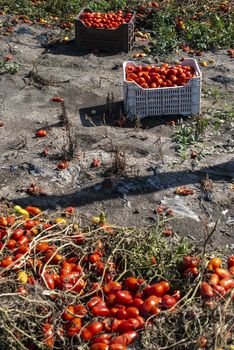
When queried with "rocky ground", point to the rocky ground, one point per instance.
{"points": [[140, 167]]}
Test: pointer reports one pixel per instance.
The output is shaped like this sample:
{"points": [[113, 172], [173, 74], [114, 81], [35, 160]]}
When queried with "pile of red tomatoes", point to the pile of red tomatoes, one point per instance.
{"points": [[217, 282], [151, 77], [120, 310], [109, 20], [106, 313]]}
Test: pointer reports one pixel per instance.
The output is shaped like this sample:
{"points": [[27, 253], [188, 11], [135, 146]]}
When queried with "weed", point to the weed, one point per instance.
{"points": [[187, 135], [202, 28], [118, 166], [212, 92], [70, 146], [138, 124], [6, 67]]}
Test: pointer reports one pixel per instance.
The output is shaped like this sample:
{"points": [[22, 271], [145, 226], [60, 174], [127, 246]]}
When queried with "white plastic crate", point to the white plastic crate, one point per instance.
{"points": [[183, 100]]}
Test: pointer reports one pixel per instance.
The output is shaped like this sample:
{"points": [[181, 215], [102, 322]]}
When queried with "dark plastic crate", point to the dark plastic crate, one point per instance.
{"points": [[110, 40]]}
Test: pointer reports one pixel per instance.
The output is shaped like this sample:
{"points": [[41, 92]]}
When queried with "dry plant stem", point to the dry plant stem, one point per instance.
{"points": [[90, 120], [209, 236], [173, 345], [9, 330]]}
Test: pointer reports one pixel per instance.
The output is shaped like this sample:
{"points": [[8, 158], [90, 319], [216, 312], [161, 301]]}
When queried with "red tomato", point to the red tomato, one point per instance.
{"points": [[94, 301], [86, 334], [100, 310], [47, 226], [18, 256], [99, 346], [219, 290], [22, 240], [70, 210], [95, 328], [137, 302], [222, 273], [42, 247], [68, 315], [124, 297], [49, 280], [22, 291], [121, 314], [210, 304], [7, 261], [149, 303], [94, 258], [157, 289], [48, 335], [231, 270], [190, 262], [214, 279], [79, 285], [141, 322], [18, 233], [111, 299], [31, 280], [24, 248], [80, 310], [214, 263], [191, 271], [230, 261], [206, 290], [132, 312], [103, 338], [10, 220], [176, 295], [56, 278], [165, 285], [132, 284], [3, 233], [11, 244], [168, 301], [74, 327], [128, 325], [62, 165], [41, 133], [33, 210], [155, 310], [227, 283], [112, 287], [57, 99], [117, 347], [66, 266], [125, 339], [79, 239]]}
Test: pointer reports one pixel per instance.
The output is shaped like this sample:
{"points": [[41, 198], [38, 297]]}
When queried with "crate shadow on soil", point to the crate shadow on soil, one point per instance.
{"points": [[103, 117], [116, 188], [71, 49]]}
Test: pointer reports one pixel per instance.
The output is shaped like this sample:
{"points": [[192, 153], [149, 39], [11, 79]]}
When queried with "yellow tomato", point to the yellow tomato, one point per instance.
{"points": [[204, 64], [95, 220], [60, 221], [42, 21], [21, 211], [23, 277]]}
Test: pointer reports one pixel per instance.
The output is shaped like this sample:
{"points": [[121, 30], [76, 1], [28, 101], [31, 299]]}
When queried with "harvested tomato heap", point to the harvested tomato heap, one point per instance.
{"points": [[108, 20], [159, 77], [108, 314]]}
